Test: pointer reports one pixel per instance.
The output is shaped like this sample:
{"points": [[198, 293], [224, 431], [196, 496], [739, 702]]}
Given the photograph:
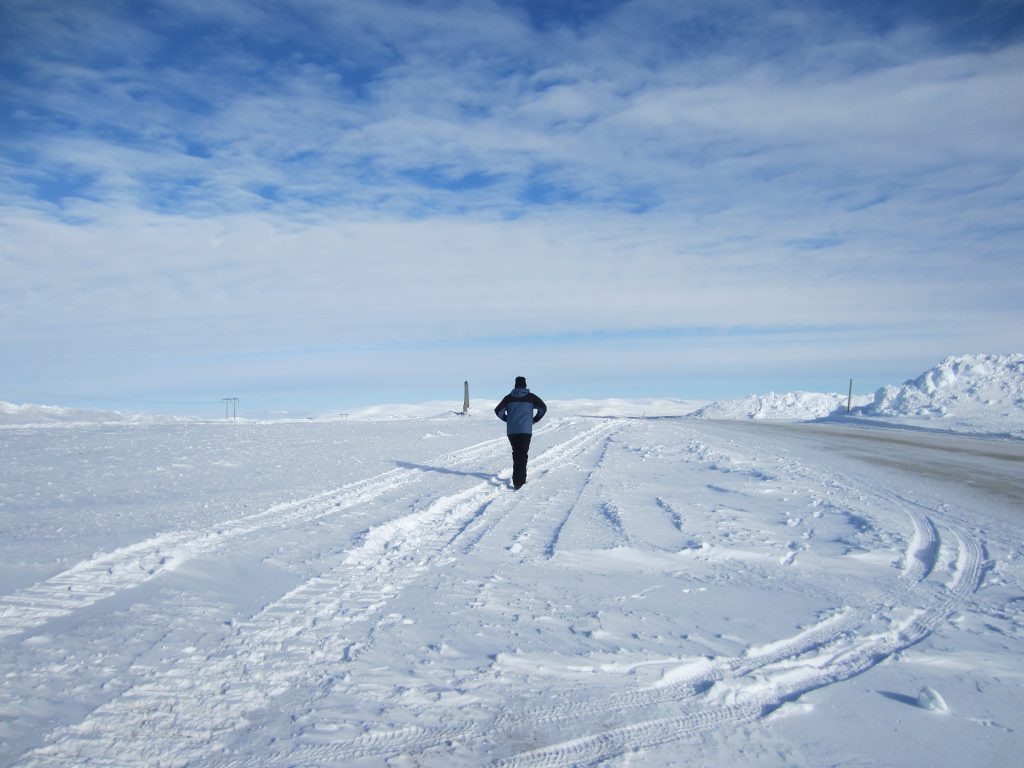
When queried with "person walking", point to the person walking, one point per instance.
{"points": [[517, 410]]}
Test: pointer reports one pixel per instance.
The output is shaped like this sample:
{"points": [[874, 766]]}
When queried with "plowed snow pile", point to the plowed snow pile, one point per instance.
{"points": [[792, 406], [970, 393], [977, 394]]}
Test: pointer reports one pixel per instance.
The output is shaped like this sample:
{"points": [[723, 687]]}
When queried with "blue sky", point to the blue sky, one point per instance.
{"points": [[316, 205]]}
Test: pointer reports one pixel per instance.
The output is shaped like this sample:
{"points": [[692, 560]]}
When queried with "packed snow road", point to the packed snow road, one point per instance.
{"points": [[991, 466], [661, 590]]}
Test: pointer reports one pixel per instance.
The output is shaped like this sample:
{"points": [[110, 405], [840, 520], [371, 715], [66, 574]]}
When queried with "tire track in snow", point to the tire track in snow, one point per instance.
{"points": [[198, 707], [683, 688], [552, 546], [523, 533], [754, 685], [106, 574]]}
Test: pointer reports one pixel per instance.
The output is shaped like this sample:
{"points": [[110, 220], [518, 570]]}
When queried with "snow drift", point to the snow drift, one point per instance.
{"points": [[955, 384], [969, 393], [792, 406], [980, 394]]}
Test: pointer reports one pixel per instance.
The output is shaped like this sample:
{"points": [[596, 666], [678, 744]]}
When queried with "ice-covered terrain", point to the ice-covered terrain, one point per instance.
{"points": [[360, 592]]}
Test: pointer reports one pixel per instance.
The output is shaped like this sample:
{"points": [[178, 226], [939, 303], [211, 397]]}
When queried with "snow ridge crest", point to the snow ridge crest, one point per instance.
{"points": [[955, 384]]}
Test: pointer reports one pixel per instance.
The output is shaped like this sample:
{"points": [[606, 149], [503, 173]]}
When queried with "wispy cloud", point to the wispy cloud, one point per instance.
{"points": [[311, 179]]}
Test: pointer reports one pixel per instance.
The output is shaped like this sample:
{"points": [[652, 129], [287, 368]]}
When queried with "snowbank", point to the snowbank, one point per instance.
{"points": [[792, 406], [956, 384], [969, 393], [977, 394]]}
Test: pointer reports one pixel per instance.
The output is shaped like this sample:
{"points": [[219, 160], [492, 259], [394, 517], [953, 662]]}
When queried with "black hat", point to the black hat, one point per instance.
{"points": [[521, 382]]}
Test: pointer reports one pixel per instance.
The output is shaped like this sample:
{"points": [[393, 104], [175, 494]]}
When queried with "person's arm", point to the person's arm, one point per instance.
{"points": [[540, 406], [501, 409]]}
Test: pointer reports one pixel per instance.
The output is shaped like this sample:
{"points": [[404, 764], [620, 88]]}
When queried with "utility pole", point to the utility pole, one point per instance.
{"points": [[232, 403], [465, 398], [849, 399]]}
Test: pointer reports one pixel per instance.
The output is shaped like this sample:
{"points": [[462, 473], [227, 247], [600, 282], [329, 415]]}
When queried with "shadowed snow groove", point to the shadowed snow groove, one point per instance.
{"points": [[195, 709]]}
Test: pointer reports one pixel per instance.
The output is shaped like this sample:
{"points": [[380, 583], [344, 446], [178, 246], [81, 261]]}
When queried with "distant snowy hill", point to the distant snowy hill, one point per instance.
{"points": [[52, 414], [12, 415], [483, 406], [792, 406]]}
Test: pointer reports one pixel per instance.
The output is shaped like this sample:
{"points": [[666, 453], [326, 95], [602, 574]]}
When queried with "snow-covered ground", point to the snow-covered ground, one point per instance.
{"points": [[678, 583], [358, 592]]}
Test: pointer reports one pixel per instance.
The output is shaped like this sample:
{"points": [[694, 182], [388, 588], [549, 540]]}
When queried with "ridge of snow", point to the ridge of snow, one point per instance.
{"points": [[979, 394], [791, 406], [994, 381]]}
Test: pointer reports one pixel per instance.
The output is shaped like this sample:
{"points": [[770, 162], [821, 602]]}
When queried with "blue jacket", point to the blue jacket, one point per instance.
{"points": [[516, 410]]}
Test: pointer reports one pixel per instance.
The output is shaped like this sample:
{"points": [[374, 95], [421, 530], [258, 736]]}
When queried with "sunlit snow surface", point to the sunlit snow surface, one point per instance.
{"points": [[663, 591]]}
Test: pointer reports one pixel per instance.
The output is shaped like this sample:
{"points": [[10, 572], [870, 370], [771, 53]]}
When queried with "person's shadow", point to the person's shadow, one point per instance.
{"points": [[443, 470]]}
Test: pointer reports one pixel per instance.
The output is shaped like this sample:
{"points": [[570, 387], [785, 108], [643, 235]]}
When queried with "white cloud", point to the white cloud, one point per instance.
{"points": [[414, 175]]}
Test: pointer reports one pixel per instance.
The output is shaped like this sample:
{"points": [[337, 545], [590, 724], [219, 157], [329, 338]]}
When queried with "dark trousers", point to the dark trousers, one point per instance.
{"points": [[520, 453]]}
